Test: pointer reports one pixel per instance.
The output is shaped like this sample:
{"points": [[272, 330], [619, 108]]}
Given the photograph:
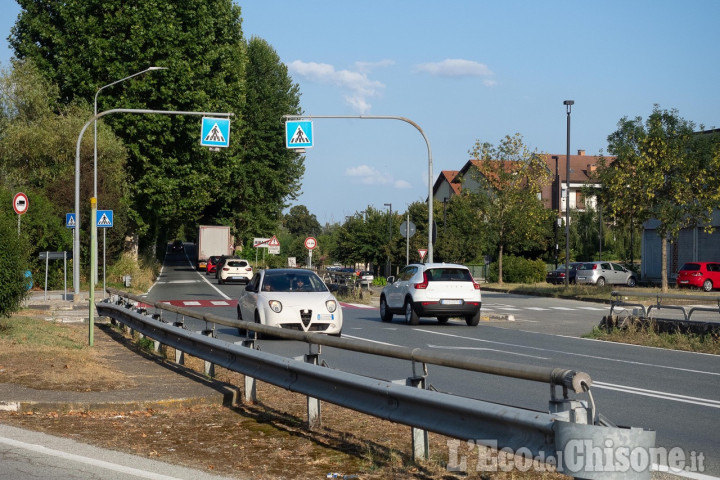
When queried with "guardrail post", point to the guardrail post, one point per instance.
{"points": [[313, 404], [179, 354], [209, 369], [250, 390], [420, 445]]}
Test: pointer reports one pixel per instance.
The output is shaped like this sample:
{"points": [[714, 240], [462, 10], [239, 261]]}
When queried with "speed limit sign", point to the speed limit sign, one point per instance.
{"points": [[20, 203], [310, 243]]}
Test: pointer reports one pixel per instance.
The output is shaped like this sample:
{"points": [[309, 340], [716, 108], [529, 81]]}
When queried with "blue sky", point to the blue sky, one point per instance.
{"points": [[468, 70]]}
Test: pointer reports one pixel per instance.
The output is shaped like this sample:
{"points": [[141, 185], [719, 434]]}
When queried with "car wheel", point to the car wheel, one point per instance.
{"points": [[220, 281], [473, 320], [385, 313], [600, 282], [411, 316], [707, 285], [241, 331], [443, 320], [631, 282]]}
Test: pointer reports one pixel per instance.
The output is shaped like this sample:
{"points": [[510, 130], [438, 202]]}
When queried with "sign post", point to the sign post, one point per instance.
{"points": [[310, 244], [20, 205], [104, 220]]}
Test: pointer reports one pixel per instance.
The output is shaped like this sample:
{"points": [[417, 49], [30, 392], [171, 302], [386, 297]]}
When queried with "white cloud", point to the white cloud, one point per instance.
{"points": [[356, 84], [456, 67], [367, 67], [367, 175]]}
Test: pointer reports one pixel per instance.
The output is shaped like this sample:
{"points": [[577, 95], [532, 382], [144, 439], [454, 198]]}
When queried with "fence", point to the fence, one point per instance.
{"points": [[567, 436]]}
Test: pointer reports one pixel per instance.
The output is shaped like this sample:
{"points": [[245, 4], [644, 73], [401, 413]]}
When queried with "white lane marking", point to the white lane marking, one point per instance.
{"points": [[681, 473], [657, 394], [360, 305], [453, 347], [537, 309], [562, 308], [703, 372], [86, 460], [371, 341], [192, 303], [219, 302], [596, 309]]}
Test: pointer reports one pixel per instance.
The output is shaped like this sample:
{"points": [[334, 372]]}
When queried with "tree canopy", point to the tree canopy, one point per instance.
{"points": [[663, 170], [81, 46]]}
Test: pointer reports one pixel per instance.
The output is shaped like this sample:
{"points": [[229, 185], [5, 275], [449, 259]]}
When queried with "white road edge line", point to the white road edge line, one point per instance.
{"points": [[86, 460], [706, 402]]}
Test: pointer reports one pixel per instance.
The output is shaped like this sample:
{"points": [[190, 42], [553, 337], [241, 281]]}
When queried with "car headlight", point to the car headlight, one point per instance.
{"points": [[275, 306], [331, 305]]}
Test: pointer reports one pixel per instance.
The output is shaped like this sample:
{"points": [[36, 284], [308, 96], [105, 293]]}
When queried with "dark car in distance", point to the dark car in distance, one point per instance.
{"points": [[177, 246], [557, 276]]}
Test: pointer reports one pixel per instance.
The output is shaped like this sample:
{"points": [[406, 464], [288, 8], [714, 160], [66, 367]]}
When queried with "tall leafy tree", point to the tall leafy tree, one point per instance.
{"points": [[270, 175], [511, 178], [663, 171], [299, 221], [82, 45], [462, 237], [38, 137]]}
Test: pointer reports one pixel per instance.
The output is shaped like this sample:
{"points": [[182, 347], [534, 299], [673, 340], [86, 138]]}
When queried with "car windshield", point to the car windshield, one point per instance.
{"points": [[292, 282], [449, 274], [586, 266]]}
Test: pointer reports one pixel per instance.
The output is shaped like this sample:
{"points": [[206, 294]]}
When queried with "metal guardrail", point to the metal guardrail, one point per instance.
{"points": [[617, 301], [568, 436]]}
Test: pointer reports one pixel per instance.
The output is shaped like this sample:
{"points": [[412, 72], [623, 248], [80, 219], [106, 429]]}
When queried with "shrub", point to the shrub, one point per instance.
{"points": [[518, 270], [13, 263]]}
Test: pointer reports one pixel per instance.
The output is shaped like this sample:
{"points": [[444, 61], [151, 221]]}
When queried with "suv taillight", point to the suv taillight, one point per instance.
{"points": [[476, 285], [424, 284]]}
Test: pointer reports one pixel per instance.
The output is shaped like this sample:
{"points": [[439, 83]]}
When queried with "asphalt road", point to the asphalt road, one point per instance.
{"points": [[675, 393]]}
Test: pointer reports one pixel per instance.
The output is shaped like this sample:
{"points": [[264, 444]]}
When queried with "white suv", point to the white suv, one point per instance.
{"points": [[441, 290]]}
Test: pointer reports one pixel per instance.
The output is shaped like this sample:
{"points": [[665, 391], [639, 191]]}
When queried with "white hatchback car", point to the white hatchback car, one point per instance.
{"points": [[234, 270], [291, 298], [441, 290]]}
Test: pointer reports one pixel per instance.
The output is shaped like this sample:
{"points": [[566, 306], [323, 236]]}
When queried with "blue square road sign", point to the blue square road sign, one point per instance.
{"points": [[215, 132], [299, 134]]}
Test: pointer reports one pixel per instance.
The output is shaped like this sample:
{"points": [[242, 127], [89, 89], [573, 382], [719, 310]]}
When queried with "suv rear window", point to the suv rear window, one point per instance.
{"points": [[449, 275]]}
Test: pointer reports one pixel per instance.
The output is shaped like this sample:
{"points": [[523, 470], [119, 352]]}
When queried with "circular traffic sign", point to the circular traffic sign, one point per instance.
{"points": [[310, 243], [20, 203]]}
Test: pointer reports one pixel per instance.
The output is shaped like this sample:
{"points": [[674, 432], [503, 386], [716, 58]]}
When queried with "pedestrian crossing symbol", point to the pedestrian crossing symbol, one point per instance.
{"points": [[104, 218], [298, 134], [70, 221], [215, 132]]}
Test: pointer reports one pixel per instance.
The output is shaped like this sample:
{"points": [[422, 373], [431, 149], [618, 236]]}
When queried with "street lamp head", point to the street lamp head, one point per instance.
{"points": [[157, 68], [569, 102]]}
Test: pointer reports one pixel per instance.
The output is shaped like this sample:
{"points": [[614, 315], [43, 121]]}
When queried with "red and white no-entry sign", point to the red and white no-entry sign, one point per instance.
{"points": [[20, 203], [310, 243]]}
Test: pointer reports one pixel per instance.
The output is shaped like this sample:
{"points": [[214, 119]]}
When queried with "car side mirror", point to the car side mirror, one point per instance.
{"points": [[390, 280]]}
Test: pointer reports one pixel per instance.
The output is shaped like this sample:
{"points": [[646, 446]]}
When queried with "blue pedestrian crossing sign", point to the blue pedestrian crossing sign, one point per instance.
{"points": [[215, 132], [298, 134], [70, 221], [104, 218]]}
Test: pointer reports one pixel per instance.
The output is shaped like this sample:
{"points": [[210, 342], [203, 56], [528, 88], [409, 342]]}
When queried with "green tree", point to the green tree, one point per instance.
{"points": [[664, 171], [299, 221], [510, 179], [270, 175], [14, 256], [83, 45], [462, 235], [38, 136]]}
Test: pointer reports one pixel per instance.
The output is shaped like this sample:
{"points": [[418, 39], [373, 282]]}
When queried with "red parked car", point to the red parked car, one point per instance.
{"points": [[705, 275]]}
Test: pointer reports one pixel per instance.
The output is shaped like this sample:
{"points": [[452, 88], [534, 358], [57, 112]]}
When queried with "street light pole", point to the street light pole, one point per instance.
{"points": [[150, 69], [387, 265], [94, 270], [568, 107]]}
